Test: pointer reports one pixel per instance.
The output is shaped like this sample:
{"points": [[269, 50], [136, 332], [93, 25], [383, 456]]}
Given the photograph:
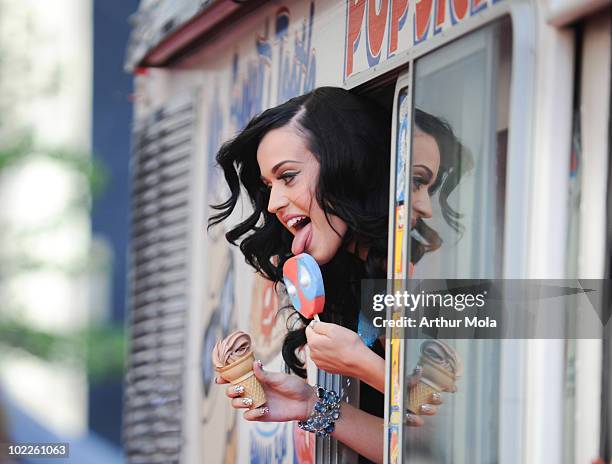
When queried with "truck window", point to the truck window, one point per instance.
{"points": [[457, 221]]}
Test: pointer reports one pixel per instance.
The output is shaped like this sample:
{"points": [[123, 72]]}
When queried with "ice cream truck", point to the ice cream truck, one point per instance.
{"points": [[525, 85]]}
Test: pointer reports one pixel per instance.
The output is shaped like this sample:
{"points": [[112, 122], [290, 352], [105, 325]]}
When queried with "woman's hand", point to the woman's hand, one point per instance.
{"points": [[336, 349], [429, 409], [288, 397]]}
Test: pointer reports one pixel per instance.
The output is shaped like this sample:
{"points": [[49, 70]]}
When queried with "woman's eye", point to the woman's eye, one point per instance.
{"points": [[418, 182], [288, 177]]}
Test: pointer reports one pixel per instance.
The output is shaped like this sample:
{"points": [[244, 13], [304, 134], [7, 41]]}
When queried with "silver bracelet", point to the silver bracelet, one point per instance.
{"points": [[326, 412]]}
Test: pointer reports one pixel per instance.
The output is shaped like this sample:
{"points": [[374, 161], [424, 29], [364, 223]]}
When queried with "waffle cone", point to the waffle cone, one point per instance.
{"points": [[253, 390], [240, 372], [436, 376], [419, 394]]}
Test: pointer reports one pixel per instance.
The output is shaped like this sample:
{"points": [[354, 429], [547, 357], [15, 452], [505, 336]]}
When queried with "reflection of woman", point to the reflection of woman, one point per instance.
{"points": [[439, 161], [316, 172]]}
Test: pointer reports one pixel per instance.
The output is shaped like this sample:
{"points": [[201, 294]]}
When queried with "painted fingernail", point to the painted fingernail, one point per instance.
{"points": [[418, 370], [247, 401], [239, 389], [410, 418], [260, 364], [264, 411], [426, 408], [436, 396]]}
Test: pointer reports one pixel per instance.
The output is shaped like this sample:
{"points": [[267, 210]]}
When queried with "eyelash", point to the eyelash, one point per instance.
{"points": [[288, 177], [418, 182]]}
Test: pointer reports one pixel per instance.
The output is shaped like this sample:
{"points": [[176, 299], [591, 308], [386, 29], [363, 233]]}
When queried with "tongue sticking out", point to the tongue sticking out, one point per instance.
{"points": [[301, 240]]}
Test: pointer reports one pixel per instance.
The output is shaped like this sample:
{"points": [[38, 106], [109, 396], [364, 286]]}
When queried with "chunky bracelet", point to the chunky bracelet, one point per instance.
{"points": [[326, 412]]}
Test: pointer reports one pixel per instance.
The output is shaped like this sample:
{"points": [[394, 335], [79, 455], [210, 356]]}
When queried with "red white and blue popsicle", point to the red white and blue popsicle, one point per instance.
{"points": [[304, 283]]}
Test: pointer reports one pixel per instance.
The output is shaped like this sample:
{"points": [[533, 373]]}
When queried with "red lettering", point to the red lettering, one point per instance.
{"points": [[460, 7], [398, 11], [356, 10], [478, 5], [422, 18], [440, 14], [376, 26]]}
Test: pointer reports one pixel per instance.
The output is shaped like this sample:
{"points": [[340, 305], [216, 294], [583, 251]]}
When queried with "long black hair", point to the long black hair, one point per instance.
{"points": [[350, 137]]}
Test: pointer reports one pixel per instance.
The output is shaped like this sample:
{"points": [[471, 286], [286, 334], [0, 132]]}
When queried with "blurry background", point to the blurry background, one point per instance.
{"points": [[65, 119]]}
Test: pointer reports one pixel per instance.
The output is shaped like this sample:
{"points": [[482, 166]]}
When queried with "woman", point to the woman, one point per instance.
{"points": [[316, 172]]}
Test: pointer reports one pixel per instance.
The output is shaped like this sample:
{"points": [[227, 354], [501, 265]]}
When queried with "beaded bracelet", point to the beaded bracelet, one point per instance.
{"points": [[326, 412]]}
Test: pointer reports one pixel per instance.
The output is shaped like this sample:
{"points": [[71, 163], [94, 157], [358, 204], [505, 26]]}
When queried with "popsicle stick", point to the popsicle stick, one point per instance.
{"points": [[316, 317]]}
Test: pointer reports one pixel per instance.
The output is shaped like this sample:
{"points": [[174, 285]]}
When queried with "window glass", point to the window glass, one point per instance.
{"points": [[457, 197]]}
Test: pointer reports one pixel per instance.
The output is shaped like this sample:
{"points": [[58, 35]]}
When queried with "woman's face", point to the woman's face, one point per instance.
{"points": [[291, 172], [425, 167]]}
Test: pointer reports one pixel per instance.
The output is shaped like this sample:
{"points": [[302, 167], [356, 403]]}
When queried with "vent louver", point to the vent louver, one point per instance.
{"points": [[161, 164]]}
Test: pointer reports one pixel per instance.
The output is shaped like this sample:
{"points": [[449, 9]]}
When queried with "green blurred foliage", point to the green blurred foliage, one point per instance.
{"points": [[23, 149], [100, 348]]}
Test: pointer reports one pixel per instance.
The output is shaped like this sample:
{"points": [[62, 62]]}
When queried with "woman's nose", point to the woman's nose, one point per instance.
{"points": [[422, 204], [277, 200]]}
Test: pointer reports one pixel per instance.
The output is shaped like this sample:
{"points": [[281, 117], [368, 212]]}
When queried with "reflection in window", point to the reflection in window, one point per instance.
{"points": [[459, 139]]}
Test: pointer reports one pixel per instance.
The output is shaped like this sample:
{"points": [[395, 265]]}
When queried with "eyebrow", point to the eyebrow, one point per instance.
{"points": [[424, 167], [277, 167]]}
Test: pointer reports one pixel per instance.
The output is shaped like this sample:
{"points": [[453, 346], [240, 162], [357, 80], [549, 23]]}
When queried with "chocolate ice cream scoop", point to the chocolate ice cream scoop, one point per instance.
{"points": [[233, 358], [440, 367], [443, 356], [231, 348]]}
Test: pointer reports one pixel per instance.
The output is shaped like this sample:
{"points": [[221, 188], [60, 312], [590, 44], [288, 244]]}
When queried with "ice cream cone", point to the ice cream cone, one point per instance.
{"points": [[240, 372], [419, 394], [441, 366]]}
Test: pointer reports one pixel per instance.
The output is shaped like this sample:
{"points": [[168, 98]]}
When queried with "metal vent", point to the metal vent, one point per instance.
{"points": [[161, 165]]}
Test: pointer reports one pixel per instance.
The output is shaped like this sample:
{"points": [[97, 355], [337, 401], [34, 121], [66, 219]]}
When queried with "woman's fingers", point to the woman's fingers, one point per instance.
{"points": [[428, 409], [267, 378], [321, 328], [242, 403], [413, 420], [311, 334], [220, 380], [257, 414], [234, 391], [317, 341]]}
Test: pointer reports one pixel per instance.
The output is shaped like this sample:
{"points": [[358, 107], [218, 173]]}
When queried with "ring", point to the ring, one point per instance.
{"points": [[410, 419], [426, 409], [239, 389], [247, 401]]}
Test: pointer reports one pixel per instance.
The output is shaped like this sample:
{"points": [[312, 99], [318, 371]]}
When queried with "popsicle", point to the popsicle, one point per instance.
{"points": [[304, 283]]}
